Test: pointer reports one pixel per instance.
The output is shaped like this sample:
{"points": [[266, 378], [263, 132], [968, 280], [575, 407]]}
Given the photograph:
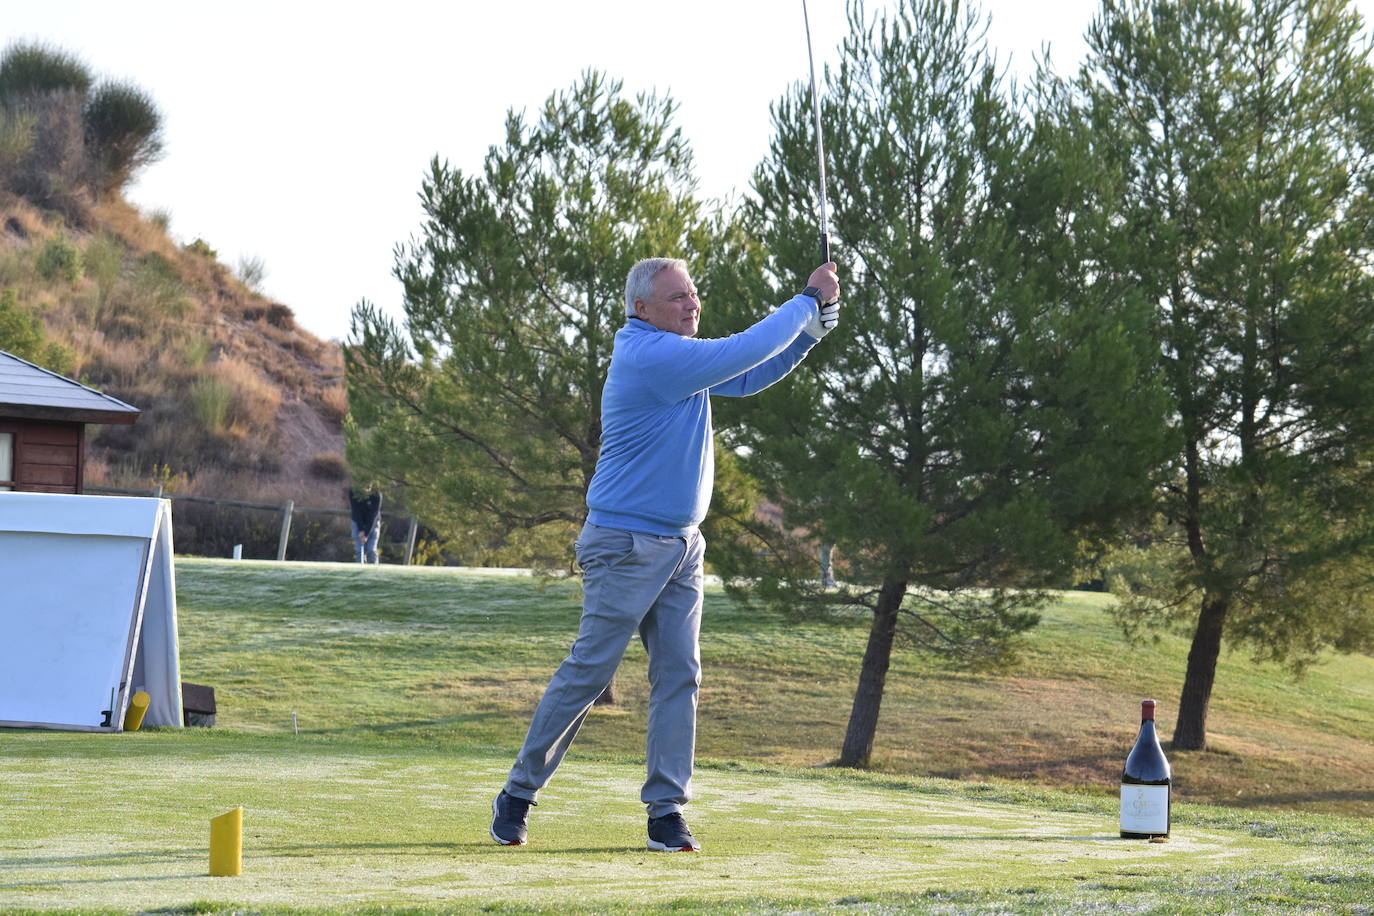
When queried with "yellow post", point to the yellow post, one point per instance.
{"points": [[226, 844], [138, 706]]}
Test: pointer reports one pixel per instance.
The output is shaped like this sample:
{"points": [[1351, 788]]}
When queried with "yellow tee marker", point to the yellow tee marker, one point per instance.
{"points": [[226, 844], [138, 706]]}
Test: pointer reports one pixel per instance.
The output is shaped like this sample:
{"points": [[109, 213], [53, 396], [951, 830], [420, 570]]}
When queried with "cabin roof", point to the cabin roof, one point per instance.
{"points": [[33, 393]]}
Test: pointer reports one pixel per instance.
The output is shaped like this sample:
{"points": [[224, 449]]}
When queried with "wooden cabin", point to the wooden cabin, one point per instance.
{"points": [[43, 419]]}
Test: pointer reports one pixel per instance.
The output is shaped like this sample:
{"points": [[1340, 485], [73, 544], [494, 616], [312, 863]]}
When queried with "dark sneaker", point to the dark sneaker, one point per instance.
{"points": [[508, 815], [669, 833]]}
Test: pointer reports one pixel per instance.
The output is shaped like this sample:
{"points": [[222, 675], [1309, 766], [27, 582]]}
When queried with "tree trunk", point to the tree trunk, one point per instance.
{"points": [[868, 698], [1190, 731]]}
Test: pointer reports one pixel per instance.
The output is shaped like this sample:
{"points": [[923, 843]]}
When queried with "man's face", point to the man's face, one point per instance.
{"points": [[673, 304]]}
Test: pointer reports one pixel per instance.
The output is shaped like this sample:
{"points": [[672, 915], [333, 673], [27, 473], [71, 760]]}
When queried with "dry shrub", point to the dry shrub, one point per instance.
{"points": [[16, 139], [289, 367], [59, 260], [195, 349], [329, 466], [279, 316], [22, 220], [141, 235], [220, 482], [147, 300], [291, 372], [204, 273], [118, 362], [14, 267], [54, 170], [274, 313], [211, 399], [334, 403], [123, 133], [123, 326], [158, 289], [103, 261], [255, 400], [171, 360], [331, 359], [96, 472], [81, 357]]}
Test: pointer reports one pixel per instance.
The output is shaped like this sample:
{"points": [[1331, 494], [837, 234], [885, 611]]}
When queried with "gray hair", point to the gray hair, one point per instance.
{"points": [[639, 280]]}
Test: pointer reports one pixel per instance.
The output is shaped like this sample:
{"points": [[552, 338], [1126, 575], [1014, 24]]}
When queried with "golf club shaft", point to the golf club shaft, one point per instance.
{"points": [[820, 145]]}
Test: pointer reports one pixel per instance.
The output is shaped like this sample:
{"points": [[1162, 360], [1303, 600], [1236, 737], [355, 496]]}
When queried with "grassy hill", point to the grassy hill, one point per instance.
{"points": [[238, 401], [434, 654], [411, 688]]}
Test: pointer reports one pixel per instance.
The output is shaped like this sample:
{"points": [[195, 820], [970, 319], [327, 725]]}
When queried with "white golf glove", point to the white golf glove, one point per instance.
{"points": [[824, 319]]}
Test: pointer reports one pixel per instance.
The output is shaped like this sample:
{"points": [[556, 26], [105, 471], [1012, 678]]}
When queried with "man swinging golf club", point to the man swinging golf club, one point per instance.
{"points": [[640, 551]]}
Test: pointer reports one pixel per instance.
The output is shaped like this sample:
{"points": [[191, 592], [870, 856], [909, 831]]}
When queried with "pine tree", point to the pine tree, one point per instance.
{"points": [[486, 406], [988, 399], [1242, 136]]}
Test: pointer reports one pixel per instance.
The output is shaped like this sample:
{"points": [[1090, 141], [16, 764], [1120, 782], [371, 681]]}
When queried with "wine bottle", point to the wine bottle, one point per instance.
{"points": [[1145, 783]]}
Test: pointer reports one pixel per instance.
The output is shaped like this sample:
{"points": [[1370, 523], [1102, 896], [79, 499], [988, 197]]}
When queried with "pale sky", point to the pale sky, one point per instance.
{"points": [[298, 132]]}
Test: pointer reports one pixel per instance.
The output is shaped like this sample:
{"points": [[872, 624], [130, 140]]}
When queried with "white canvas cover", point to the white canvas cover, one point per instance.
{"points": [[87, 611]]}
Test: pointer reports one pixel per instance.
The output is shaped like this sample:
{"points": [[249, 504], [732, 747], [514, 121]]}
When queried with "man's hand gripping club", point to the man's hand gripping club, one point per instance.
{"points": [[824, 287]]}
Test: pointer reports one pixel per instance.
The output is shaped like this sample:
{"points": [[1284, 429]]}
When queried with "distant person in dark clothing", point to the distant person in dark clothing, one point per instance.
{"points": [[366, 506]]}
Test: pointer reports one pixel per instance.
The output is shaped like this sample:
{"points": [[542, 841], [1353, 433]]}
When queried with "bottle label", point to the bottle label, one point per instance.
{"points": [[1145, 809]]}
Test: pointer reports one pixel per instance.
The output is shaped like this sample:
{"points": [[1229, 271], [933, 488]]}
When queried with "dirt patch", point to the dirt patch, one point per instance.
{"points": [[305, 435]]}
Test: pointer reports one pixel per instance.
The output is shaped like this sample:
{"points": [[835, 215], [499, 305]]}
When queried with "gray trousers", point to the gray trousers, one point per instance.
{"points": [[631, 581]]}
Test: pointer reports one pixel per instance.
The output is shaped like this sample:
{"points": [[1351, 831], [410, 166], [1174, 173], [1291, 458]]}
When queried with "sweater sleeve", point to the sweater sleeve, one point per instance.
{"points": [[679, 367], [766, 373]]}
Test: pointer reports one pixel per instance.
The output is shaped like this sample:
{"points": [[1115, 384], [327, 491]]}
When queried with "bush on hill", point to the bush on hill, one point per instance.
{"points": [[64, 144], [22, 334], [124, 132], [35, 68]]}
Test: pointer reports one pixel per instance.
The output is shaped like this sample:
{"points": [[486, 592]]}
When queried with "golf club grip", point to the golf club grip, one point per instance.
{"points": [[825, 248]]}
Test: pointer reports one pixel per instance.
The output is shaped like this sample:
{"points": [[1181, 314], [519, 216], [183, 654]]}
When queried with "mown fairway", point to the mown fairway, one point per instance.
{"points": [[412, 689]]}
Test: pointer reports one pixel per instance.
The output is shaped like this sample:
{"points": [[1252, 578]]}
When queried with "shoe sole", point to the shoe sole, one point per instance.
{"points": [[661, 847], [492, 830]]}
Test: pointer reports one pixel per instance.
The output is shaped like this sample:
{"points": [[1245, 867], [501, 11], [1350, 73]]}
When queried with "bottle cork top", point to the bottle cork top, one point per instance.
{"points": [[1147, 709]]}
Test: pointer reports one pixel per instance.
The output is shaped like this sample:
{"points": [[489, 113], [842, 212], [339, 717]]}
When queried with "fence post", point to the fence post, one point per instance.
{"points": [[286, 511], [410, 540]]}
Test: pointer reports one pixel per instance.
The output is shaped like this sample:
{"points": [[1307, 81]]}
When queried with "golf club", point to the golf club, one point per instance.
{"points": [[820, 146]]}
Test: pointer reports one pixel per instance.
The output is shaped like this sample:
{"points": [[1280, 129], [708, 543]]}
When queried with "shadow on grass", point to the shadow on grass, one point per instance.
{"points": [[104, 858], [59, 883], [536, 850], [1013, 838], [264, 852], [1364, 796], [429, 848], [416, 727]]}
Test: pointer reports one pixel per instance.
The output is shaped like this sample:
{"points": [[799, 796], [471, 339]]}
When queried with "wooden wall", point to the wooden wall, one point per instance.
{"points": [[48, 456]]}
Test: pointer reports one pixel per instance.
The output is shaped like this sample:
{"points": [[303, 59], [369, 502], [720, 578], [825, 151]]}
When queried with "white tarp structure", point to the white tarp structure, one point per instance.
{"points": [[87, 611]]}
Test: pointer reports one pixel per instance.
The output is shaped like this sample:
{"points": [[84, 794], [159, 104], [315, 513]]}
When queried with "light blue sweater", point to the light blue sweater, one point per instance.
{"points": [[657, 466]]}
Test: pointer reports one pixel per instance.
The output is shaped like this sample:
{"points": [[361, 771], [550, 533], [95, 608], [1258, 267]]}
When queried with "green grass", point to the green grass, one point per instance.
{"points": [[412, 689], [340, 823]]}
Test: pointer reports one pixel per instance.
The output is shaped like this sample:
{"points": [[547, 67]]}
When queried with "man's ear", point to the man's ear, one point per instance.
{"points": [[639, 312]]}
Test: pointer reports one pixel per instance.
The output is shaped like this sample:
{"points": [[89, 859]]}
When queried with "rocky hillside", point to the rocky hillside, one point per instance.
{"points": [[238, 401]]}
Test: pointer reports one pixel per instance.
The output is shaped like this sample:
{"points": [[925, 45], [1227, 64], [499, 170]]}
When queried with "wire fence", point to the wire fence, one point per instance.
{"points": [[288, 511]]}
